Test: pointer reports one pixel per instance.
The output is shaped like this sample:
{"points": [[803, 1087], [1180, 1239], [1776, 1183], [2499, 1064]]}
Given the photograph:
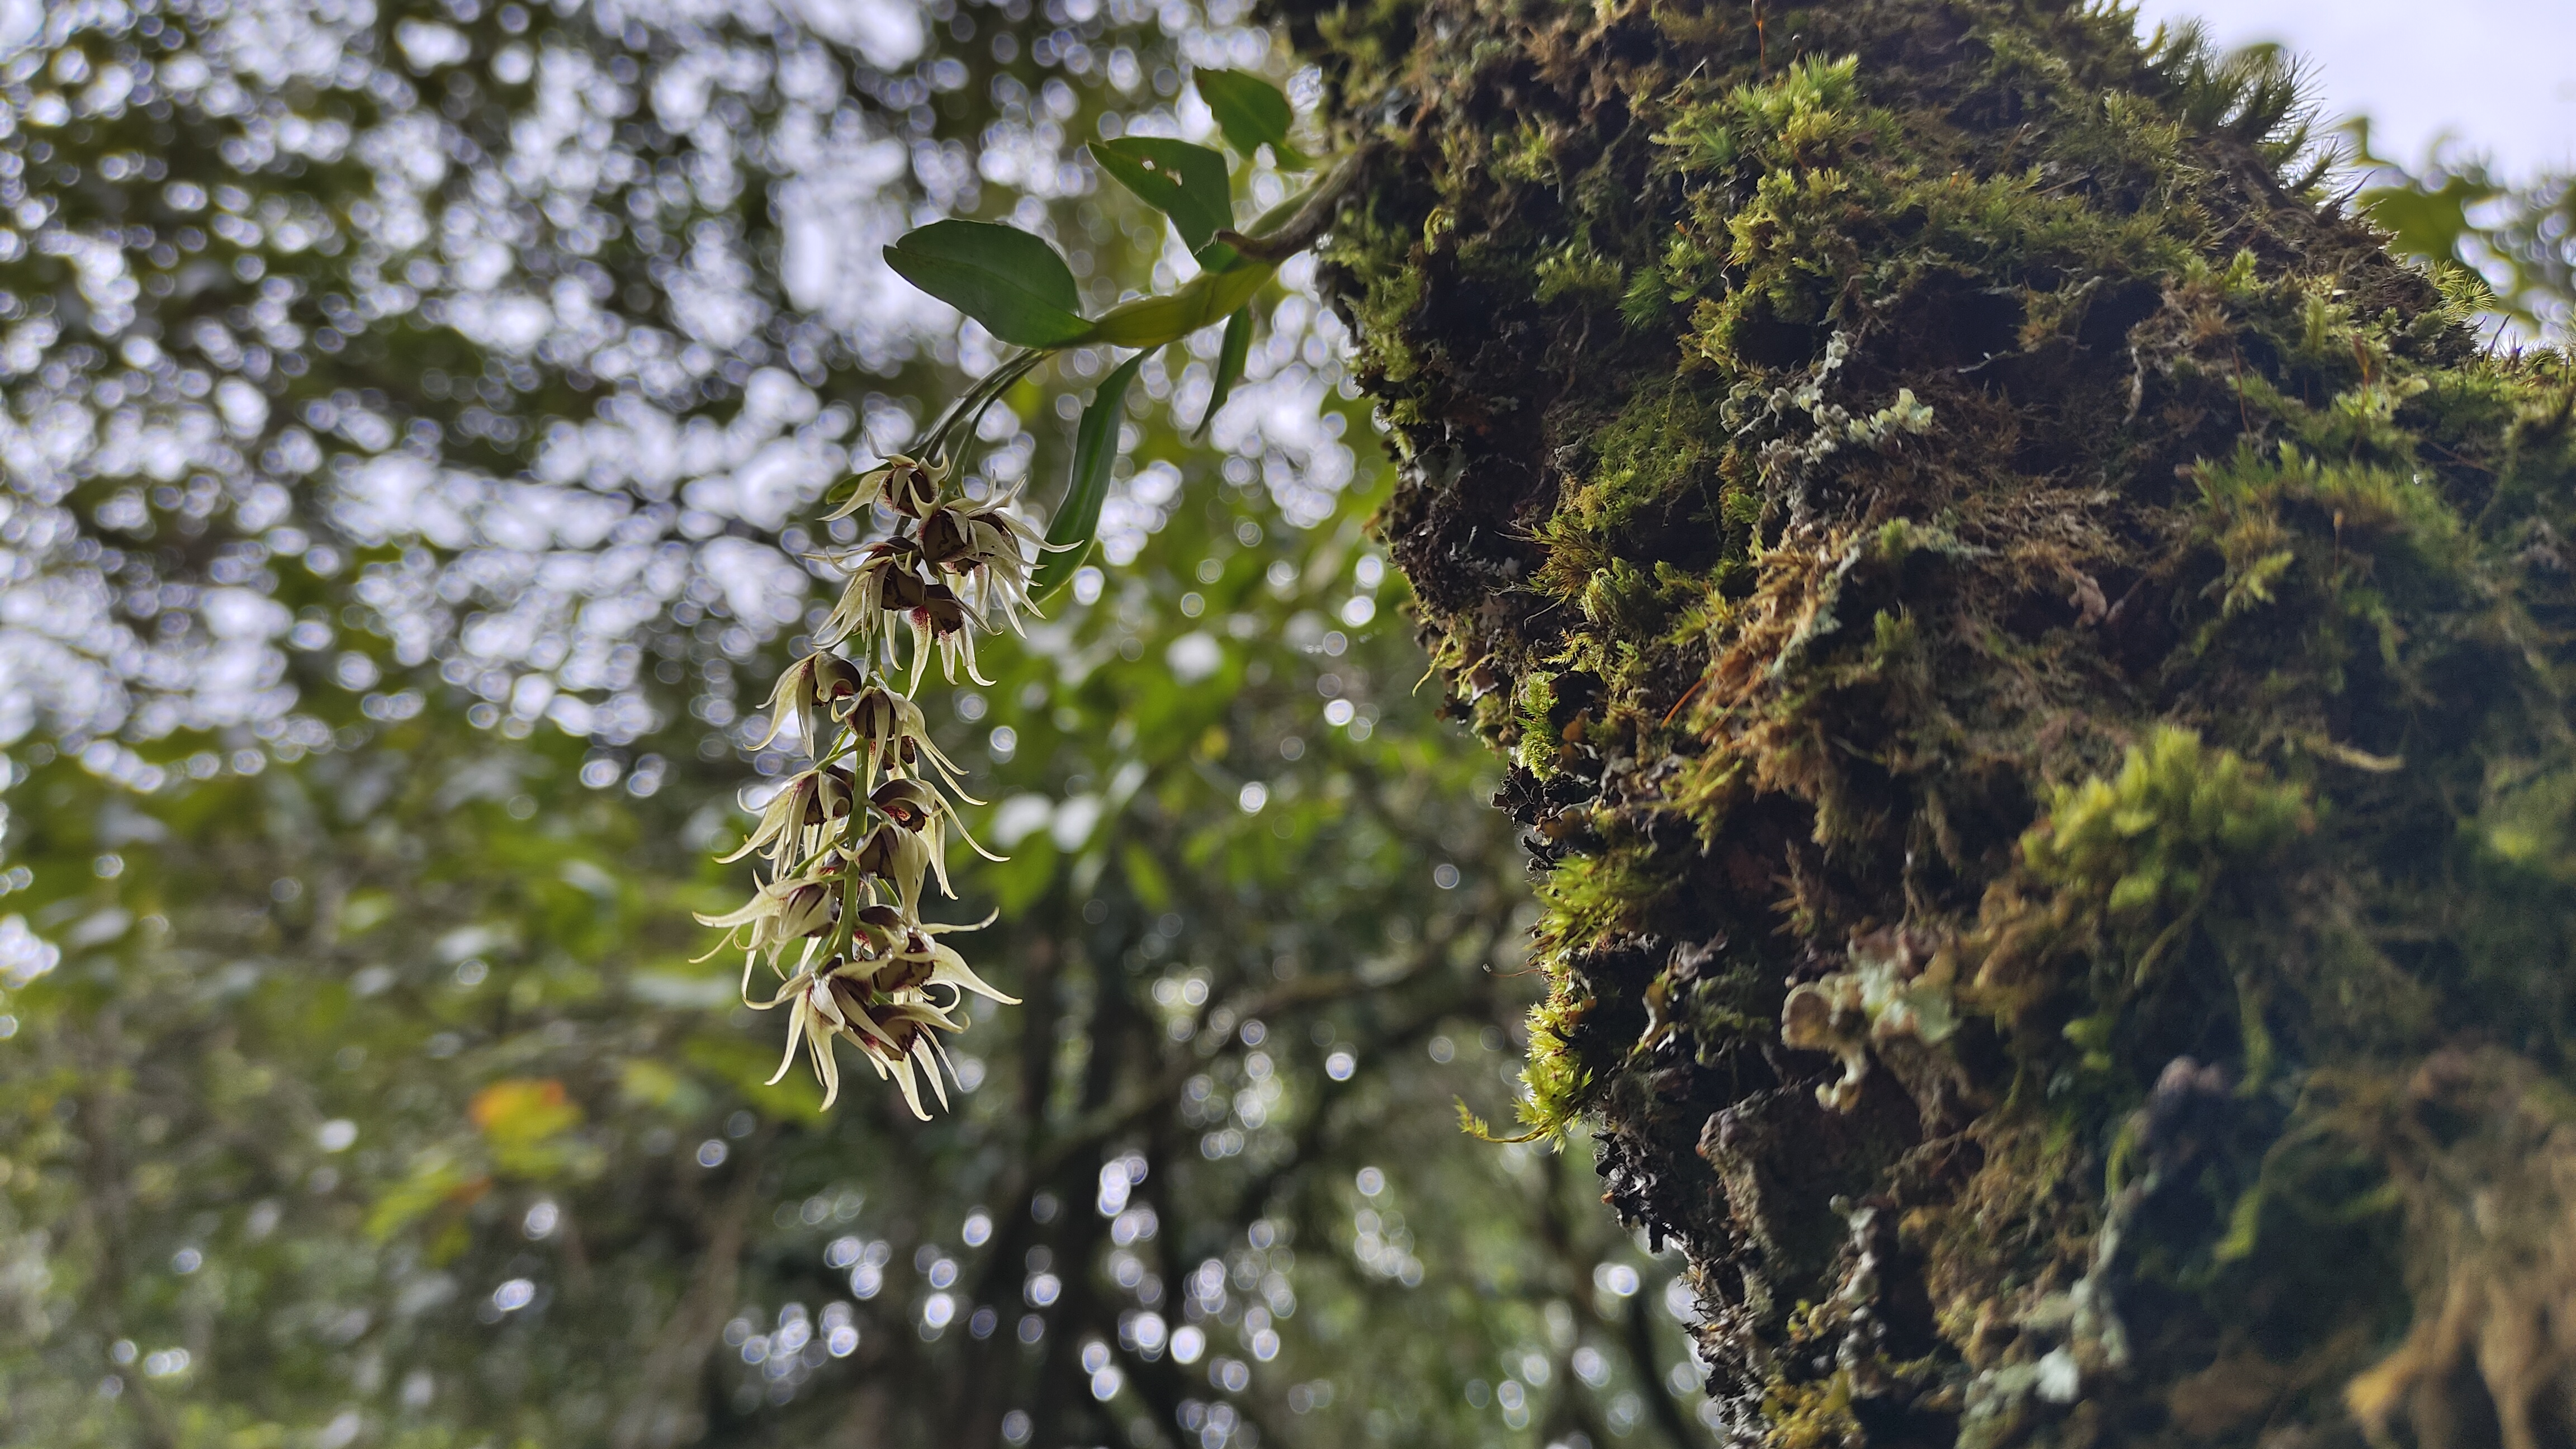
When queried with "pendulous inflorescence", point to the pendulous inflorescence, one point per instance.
{"points": [[851, 840]]}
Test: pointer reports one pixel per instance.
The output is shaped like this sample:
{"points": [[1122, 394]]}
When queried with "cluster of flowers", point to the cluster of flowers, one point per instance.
{"points": [[850, 840]]}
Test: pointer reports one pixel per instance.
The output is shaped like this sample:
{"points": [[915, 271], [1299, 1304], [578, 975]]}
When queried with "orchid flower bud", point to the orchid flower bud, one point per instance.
{"points": [[900, 859]]}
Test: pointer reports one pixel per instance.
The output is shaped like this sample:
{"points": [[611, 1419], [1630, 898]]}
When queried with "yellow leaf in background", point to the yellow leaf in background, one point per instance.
{"points": [[523, 1111]]}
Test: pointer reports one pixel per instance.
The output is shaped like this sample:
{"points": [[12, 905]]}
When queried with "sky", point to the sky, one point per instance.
{"points": [[2498, 74]]}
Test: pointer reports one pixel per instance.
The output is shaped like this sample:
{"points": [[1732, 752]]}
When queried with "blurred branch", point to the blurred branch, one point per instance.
{"points": [[1659, 1395], [676, 1362], [2512, 243]]}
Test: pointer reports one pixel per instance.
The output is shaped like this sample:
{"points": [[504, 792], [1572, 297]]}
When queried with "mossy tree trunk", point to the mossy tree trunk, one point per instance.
{"points": [[2033, 655]]}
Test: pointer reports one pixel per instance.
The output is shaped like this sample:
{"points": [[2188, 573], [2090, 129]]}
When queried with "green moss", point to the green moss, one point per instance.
{"points": [[1647, 299], [2166, 828], [1814, 1416], [1557, 1086], [1950, 521], [1594, 899], [1526, 156], [1577, 269]]}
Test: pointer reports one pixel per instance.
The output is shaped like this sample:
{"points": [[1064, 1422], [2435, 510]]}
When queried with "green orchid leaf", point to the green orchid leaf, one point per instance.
{"points": [[1229, 364], [1203, 301], [1012, 282], [1253, 113], [1095, 448], [1184, 182]]}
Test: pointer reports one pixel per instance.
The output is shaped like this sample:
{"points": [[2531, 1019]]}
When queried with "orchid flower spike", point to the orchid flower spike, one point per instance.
{"points": [[850, 842]]}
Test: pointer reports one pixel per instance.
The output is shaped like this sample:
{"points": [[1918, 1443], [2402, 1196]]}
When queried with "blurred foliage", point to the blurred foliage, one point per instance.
{"points": [[373, 1099], [342, 343], [2454, 211]]}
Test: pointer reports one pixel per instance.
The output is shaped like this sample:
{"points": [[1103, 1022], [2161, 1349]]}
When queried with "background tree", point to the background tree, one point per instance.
{"points": [[2032, 645]]}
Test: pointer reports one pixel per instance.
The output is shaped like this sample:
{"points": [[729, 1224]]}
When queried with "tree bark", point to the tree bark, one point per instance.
{"points": [[2032, 654]]}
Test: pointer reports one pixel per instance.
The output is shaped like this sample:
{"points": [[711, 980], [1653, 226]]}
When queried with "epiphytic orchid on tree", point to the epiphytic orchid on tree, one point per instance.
{"points": [[851, 840]]}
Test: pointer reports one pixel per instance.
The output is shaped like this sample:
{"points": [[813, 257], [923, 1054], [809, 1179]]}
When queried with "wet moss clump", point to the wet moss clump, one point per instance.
{"points": [[2033, 656]]}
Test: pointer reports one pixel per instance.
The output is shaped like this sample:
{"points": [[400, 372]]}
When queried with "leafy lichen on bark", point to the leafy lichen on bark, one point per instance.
{"points": [[2033, 655]]}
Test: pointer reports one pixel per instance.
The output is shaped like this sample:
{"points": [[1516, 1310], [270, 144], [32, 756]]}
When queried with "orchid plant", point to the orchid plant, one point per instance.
{"points": [[851, 841]]}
